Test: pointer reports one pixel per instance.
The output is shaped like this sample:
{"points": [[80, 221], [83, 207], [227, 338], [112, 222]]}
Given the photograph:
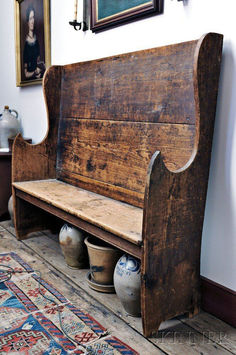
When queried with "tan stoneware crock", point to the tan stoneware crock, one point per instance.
{"points": [[102, 259]]}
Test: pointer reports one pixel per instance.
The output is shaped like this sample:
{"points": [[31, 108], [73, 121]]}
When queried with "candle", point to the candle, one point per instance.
{"points": [[76, 5]]}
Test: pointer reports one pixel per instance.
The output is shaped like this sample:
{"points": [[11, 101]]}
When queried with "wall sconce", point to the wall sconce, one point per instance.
{"points": [[78, 25]]}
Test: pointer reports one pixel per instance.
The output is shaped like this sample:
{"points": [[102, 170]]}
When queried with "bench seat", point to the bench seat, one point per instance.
{"points": [[116, 217]]}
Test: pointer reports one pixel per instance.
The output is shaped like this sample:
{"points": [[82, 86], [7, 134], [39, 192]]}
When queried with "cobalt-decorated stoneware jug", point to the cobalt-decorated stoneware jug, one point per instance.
{"points": [[127, 282]]}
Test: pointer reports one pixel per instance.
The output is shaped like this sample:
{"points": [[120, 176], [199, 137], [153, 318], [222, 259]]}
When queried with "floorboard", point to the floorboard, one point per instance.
{"points": [[203, 334], [77, 296]]}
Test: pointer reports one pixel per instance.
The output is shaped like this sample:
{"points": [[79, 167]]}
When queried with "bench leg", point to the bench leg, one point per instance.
{"points": [[194, 312], [28, 218]]}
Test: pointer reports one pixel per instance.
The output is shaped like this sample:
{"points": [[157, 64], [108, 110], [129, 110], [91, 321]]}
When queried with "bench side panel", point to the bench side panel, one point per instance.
{"points": [[37, 161], [174, 208]]}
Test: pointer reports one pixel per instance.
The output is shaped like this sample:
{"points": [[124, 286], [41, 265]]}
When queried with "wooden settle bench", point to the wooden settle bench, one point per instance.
{"points": [[126, 159]]}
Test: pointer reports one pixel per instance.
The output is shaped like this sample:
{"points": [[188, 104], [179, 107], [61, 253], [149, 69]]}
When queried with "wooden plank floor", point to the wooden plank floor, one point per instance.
{"points": [[204, 334]]}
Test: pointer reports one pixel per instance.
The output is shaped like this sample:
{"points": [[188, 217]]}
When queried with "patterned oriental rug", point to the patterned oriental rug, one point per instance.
{"points": [[30, 323]]}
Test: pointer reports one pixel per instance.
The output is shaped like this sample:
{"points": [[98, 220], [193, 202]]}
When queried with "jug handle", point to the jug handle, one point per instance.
{"points": [[15, 112]]}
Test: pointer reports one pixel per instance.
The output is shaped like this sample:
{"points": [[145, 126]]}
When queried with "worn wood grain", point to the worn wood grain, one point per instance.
{"points": [[149, 86], [50, 250], [174, 337], [77, 296], [203, 334], [47, 246], [174, 208], [117, 153], [216, 330], [185, 340], [37, 161], [136, 128], [116, 217], [56, 216]]}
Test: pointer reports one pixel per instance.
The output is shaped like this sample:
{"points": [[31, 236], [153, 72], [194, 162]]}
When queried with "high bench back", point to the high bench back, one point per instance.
{"points": [[116, 112]]}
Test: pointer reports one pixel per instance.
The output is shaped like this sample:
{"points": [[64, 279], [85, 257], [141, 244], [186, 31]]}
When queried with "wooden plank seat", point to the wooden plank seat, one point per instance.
{"points": [[126, 158], [113, 216]]}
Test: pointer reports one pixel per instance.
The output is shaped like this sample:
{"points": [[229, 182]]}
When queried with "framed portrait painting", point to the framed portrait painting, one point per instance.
{"points": [[105, 13], [32, 34]]}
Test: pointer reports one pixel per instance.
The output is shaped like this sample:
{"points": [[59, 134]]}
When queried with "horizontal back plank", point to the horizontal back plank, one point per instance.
{"points": [[118, 153], [151, 86]]}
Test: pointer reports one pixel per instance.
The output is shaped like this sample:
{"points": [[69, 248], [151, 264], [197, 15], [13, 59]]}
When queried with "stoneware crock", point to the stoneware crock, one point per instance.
{"points": [[72, 245], [102, 260], [127, 283]]}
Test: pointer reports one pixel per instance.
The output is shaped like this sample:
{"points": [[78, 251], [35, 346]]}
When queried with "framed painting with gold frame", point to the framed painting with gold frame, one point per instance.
{"points": [[106, 13], [32, 36]]}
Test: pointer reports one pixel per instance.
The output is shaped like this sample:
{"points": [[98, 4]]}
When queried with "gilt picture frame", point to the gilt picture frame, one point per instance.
{"points": [[105, 14], [32, 40]]}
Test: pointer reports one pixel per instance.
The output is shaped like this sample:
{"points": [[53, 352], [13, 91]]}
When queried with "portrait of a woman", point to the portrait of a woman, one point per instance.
{"points": [[34, 68], [33, 54]]}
